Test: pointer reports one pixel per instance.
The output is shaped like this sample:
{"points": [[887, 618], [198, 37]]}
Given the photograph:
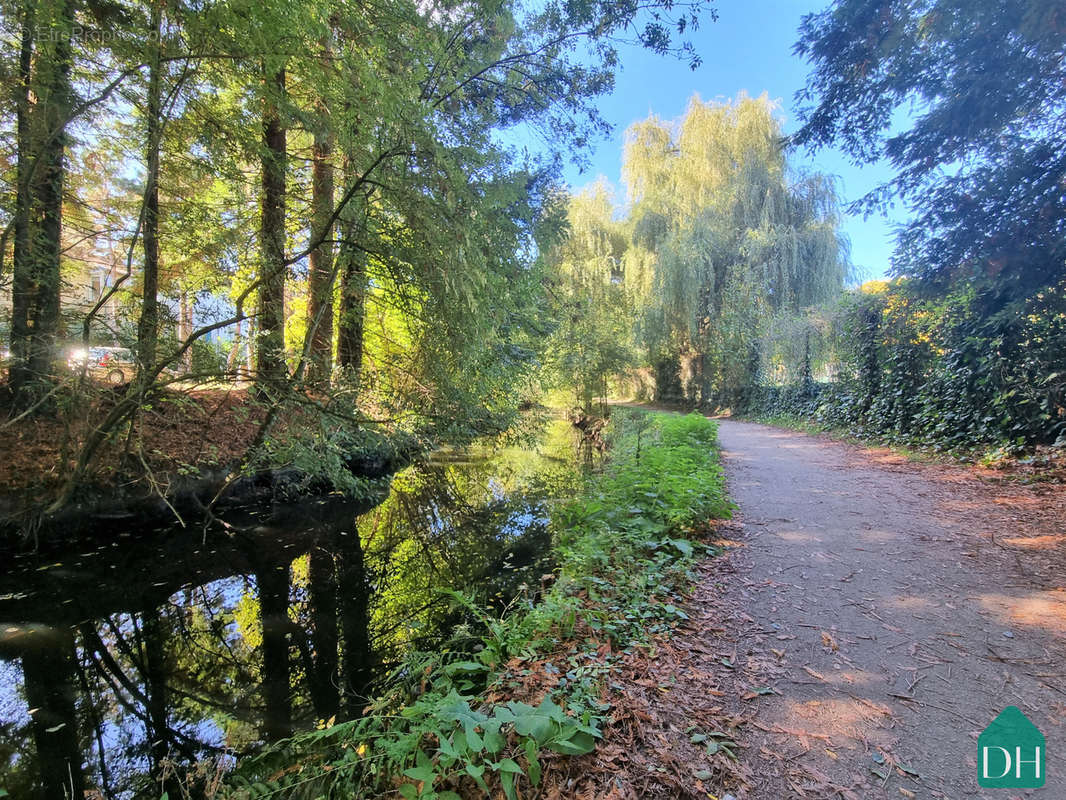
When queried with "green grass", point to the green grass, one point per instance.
{"points": [[626, 545]]}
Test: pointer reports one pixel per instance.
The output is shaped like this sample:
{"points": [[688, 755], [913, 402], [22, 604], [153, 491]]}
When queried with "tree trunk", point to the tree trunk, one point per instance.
{"points": [[249, 351], [352, 312], [270, 342], [668, 380], [322, 676], [157, 725], [22, 258], [703, 381], [185, 328], [355, 623], [352, 322], [148, 325], [320, 289], [41, 127], [234, 357]]}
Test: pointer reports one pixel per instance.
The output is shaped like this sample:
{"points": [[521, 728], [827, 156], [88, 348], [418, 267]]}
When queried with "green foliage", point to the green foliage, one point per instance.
{"points": [[966, 350], [443, 741], [720, 236], [967, 102], [726, 236], [592, 312], [208, 357], [283, 130], [938, 372], [667, 470], [432, 732]]}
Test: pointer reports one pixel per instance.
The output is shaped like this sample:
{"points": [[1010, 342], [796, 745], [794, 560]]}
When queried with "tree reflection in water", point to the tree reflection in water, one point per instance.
{"points": [[127, 663]]}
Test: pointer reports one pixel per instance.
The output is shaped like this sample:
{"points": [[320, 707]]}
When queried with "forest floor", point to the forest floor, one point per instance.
{"points": [[871, 616], [207, 426]]}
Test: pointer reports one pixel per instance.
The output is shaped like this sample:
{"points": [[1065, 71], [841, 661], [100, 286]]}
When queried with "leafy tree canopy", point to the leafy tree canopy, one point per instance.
{"points": [[725, 234], [983, 161]]}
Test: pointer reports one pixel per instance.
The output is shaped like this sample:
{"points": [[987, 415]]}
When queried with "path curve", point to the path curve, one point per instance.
{"points": [[895, 609]]}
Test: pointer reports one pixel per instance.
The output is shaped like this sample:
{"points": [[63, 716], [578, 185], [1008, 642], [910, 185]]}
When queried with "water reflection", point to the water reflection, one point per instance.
{"points": [[123, 664]]}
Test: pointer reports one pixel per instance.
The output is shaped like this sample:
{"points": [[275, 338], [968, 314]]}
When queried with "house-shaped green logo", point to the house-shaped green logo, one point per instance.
{"points": [[1011, 753]]}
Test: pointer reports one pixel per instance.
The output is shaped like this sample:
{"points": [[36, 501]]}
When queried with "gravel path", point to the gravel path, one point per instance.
{"points": [[895, 609]]}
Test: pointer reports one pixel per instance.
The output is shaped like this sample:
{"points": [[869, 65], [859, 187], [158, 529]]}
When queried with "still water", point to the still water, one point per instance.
{"points": [[124, 662]]}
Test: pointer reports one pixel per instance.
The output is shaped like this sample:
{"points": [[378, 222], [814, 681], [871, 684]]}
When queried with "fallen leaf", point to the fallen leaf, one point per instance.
{"points": [[815, 674]]}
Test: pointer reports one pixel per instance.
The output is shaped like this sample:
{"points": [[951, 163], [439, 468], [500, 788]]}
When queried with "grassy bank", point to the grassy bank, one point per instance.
{"points": [[529, 686]]}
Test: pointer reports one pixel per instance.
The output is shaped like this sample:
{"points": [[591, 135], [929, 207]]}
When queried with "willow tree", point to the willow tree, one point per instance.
{"points": [[725, 235], [593, 334]]}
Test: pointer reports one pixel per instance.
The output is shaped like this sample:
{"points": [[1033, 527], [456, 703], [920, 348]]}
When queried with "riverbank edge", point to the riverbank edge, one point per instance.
{"points": [[24, 522], [535, 687]]}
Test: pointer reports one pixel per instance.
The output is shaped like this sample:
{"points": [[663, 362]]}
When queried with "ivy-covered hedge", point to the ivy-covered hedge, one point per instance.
{"points": [[944, 372]]}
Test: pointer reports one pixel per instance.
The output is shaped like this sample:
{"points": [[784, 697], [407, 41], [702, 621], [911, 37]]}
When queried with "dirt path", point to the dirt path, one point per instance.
{"points": [[894, 608]]}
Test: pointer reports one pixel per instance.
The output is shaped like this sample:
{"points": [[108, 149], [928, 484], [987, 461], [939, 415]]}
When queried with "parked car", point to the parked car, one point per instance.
{"points": [[116, 364]]}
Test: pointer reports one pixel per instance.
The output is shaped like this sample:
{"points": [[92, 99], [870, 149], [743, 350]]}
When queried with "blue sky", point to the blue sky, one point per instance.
{"points": [[748, 49]]}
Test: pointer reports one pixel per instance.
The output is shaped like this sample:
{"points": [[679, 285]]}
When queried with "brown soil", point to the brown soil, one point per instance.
{"points": [[202, 427], [872, 616]]}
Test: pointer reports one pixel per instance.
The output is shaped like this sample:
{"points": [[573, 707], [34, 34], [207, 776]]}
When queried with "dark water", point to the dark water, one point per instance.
{"points": [[124, 663]]}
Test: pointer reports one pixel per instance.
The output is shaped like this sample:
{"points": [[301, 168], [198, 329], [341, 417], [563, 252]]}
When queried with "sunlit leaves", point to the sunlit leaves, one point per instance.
{"points": [[724, 235]]}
